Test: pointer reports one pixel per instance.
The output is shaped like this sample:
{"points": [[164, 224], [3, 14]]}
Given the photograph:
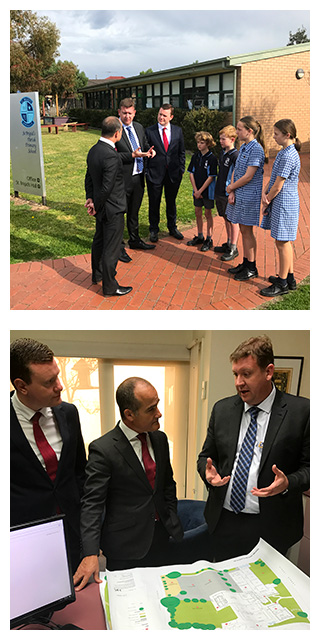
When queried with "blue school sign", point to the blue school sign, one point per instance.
{"points": [[26, 145]]}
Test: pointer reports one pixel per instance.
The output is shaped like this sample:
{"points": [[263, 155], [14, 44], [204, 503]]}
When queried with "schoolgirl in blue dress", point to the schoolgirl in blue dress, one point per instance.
{"points": [[280, 200], [245, 192]]}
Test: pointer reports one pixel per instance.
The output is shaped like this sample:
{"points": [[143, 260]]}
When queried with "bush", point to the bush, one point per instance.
{"points": [[203, 119]]}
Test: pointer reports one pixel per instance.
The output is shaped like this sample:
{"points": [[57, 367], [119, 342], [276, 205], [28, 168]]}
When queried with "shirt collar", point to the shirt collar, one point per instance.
{"points": [[266, 404], [166, 126], [107, 141], [129, 433], [25, 411]]}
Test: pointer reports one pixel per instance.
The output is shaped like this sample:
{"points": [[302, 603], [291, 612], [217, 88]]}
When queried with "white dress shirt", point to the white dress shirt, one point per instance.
{"points": [[110, 142], [47, 423], [252, 502], [135, 442], [167, 127], [133, 131]]}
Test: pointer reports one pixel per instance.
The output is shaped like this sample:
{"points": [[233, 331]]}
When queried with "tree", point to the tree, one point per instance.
{"points": [[142, 73], [298, 37], [34, 44]]}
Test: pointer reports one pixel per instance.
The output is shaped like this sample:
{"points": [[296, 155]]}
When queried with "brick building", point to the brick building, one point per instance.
{"points": [[269, 85]]}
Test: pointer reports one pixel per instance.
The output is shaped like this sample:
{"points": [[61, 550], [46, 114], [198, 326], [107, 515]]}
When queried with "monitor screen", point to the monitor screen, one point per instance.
{"points": [[40, 571]]}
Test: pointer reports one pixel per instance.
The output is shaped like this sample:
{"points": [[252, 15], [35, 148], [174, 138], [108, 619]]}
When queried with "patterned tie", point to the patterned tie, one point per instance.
{"points": [[165, 139], [240, 479], [134, 147], [48, 454], [148, 463]]}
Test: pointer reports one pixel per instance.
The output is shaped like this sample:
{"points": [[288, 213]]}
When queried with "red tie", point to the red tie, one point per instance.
{"points": [[48, 454], [148, 463], [165, 139]]}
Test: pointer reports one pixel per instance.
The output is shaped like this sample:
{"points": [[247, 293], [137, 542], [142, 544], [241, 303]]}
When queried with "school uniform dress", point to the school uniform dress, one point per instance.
{"points": [[283, 214], [246, 209]]}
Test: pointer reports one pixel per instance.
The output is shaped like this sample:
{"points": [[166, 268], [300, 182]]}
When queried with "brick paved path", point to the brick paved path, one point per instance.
{"points": [[173, 276]]}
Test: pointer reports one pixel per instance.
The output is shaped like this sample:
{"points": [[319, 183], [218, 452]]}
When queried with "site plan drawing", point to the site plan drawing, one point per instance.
{"points": [[260, 591]]}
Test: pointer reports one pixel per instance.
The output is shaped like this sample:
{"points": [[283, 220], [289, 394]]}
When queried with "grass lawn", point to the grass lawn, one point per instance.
{"points": [[64, 228]]}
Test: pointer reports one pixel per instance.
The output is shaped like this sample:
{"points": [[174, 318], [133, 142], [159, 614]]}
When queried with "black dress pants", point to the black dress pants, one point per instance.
{"points": [[134, 198], [157, 555], [154, 193], [105, 250]]}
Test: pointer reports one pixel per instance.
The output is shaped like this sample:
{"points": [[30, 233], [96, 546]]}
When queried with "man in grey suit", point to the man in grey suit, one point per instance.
{"points": [[129, 507], [106, 200], [255, 490], [133, 147]]}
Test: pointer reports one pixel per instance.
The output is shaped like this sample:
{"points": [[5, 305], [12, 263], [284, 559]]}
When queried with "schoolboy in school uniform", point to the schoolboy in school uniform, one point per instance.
{"points": [[203, 171], [227, 159]]}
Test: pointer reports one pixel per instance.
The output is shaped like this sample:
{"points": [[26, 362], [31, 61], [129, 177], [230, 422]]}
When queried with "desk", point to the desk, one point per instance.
{"points": [[86, 612]]}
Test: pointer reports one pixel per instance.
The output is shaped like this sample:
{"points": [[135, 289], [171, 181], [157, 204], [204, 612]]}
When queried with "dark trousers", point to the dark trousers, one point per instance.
{"points": [[154, 193], [134, 198], [157, 555], [236, 534], [105, 251]]}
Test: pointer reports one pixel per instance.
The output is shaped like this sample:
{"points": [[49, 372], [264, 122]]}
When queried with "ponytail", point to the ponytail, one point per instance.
{"points": [[250, 123], [287, 126]]}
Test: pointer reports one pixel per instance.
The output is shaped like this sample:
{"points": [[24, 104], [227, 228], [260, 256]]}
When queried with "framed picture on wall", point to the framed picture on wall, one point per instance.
{"points": [[287, 373]]}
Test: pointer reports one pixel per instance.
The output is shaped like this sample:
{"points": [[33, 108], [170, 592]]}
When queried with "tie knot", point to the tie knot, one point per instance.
{"points": [[36, 417], [254, 411], [142, 437]]}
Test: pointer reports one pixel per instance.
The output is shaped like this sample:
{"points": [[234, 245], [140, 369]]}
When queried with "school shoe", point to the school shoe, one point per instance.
{"points": [[291, 285], [206, 245], [230, 254], [236, 269], [221, 248], [275, 289], [195, 240], [246, 274]]}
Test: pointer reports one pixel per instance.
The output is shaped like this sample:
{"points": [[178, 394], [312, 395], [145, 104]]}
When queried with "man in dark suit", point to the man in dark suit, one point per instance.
{"points": [[255, 491], [129, 507], [133, 147], [106, 200], [47, 452], [165, 171]]}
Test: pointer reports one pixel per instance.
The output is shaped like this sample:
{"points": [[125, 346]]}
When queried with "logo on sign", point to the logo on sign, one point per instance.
{"points": [[27, 112]]}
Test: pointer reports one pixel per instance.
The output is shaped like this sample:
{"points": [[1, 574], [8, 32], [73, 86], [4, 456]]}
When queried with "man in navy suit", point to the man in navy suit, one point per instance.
{"points": [[106, 200], [273, 475], [133, 147], [34, 494], [125, 511], [164, 171]]}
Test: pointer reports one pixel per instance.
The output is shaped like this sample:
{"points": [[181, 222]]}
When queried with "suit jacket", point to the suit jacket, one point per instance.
{"points": [[125, 151], [119, 505], [173, 161], [104, 181], [286, 445], [33, 495]]}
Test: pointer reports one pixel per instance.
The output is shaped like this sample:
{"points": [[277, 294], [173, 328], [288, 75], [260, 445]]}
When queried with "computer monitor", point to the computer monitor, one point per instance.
{"points": [[40, 570]]}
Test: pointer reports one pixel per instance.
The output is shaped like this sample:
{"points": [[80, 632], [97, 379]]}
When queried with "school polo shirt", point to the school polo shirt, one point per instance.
{"points": [[227, 161], [202, 166]]}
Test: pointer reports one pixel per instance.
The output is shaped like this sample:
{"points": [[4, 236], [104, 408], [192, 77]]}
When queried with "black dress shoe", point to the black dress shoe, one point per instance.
{"points": [[140, 244], [291, 285], [121, 291], [153, 236], [236, 269], [230, 254], [96, 280], [246, 274], [195, 240], [275, 289], [221, 248], [124, 257], [176, 234]]}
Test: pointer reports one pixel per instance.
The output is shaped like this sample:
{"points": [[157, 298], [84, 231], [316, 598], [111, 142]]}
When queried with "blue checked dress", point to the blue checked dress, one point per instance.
{"points": [[246, 209], [283, 214]]}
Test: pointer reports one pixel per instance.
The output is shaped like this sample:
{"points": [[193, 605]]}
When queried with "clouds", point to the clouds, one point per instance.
{"points": [[103, 43]]}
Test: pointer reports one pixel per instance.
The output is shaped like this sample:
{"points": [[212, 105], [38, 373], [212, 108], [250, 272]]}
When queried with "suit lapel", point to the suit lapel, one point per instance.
{"points": [[278, 412], [233, 417], [65, 435]]}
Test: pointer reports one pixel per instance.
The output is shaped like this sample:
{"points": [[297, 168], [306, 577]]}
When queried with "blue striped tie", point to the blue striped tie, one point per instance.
{"points": [[134, 147], [240, 479]]}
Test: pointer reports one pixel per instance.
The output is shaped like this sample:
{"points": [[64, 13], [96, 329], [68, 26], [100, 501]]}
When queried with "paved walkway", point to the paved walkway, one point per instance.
{"points": [[172, 276]]}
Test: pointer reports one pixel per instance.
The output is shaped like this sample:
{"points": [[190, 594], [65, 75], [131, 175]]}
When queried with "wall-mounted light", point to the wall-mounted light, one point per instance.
{"points": [[299, 74]]}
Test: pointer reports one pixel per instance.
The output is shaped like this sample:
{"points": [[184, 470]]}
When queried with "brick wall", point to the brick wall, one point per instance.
{"points": [[269, 91]]}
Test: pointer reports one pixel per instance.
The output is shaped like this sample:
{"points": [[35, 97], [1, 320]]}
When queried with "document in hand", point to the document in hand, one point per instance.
{"points": [[262, 590]]}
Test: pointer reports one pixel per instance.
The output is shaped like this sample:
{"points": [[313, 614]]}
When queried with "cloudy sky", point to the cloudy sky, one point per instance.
{"points": [[104, 43]]}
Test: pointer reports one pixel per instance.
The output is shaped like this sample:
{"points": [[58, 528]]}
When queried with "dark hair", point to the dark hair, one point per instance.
{"points": [[251, 123], [259, 348], [26, 351], [109, 126], [125, 396], [166, 106], [127, 103], [287, 126]]}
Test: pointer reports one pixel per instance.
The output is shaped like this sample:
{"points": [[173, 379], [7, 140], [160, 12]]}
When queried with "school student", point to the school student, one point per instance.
{"points": [[227, 159], [245, 192], [281, 205], [203, 171]]}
